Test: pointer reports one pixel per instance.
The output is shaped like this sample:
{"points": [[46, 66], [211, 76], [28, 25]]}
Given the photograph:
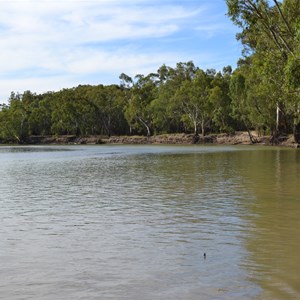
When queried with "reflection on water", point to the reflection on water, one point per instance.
{"points": [[117, 222], [274, 243]]}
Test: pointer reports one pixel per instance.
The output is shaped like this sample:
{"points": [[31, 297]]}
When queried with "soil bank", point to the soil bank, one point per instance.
{"points": [[225, 139]]}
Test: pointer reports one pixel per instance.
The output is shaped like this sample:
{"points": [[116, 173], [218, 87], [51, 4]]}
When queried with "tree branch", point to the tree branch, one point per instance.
{"points": [[282, 16]]}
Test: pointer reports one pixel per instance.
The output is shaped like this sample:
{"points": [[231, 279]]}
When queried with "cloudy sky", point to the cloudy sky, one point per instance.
{"points": [[47, 45]]}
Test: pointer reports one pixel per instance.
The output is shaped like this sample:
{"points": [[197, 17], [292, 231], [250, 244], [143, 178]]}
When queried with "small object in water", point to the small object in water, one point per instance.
{"points": [[204, 255]]}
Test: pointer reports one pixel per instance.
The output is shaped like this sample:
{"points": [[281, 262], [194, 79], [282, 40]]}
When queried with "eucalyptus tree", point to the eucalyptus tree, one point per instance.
{"points": [[67, 114], [270, 29], [192, 99], [126, 85], [167, 113], [113, 113], [138, 112], [40, 121], [240, 106], [5, 131], [221, 101], [84, 112], [14, 119], [107, 102], [266, 95]]}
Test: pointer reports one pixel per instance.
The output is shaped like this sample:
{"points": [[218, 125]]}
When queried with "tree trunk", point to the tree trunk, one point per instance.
{"points": [[203, 128], [148, 130], [280, 124], [146, 125], [277, 117], [107, 126], [195, 128], [252, 139]]}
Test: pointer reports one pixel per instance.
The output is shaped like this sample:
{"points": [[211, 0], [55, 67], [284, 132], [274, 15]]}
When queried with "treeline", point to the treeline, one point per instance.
{"points": [[172, 100], [181, 99], [262, 94]]}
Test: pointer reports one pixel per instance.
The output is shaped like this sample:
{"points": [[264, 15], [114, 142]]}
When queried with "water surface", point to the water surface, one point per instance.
{"points": [[133, 222]]}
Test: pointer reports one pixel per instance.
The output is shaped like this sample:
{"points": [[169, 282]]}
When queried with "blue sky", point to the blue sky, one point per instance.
{"points": [[47, 45]]}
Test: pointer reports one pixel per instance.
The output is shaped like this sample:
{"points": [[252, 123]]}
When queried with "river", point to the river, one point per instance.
{"points": [[133, 222]]}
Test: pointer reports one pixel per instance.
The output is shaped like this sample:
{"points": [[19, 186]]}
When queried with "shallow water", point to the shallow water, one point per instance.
{"points": [[134, 222]]}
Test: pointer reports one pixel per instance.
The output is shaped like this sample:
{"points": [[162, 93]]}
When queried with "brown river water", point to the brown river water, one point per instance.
{"points": [[134, 222]]}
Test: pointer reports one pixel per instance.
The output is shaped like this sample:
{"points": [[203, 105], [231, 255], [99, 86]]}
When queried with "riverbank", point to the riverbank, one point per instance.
{"points": [[238, 138]]}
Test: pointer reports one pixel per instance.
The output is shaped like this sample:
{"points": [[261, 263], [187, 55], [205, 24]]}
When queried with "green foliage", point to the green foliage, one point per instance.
{"points": [[192, 99], [14, 120], [271, 67], [178, 99], [221, 101], [292, 72]]}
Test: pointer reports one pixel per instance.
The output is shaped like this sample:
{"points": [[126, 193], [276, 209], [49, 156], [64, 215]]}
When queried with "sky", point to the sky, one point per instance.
{"points": [[48, 45]]}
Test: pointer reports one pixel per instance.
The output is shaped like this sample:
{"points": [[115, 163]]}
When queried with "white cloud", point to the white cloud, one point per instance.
{"points": [[48, 43], [210, 30]]}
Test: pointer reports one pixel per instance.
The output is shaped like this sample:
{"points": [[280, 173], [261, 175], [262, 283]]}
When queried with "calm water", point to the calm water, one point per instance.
{"points": [[133, 222]]}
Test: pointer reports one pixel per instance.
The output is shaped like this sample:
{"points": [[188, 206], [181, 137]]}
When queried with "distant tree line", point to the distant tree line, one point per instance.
{"points": [[180, 99], [262, 93]]}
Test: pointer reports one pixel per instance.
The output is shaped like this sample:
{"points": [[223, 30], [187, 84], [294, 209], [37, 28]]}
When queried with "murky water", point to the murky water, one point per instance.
{"points": [[134, 222]]}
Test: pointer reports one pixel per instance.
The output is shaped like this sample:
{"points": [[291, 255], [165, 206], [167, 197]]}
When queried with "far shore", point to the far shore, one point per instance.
{"points": [[237, 138]]}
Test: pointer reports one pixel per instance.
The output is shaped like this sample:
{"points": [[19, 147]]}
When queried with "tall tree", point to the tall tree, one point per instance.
{"points": [[270, 31], [14, 120], [138, 109], [193, 99], [221, 101], [240, 107]]}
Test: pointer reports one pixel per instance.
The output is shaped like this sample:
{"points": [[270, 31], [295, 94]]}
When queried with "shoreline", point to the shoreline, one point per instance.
{"points": [[237, 138]]}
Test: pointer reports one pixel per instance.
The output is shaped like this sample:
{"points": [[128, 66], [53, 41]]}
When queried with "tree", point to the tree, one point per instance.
{"points": [[14, 120], [221, 101], [67, 114], [270, 31], [107, 102], [193, 99], [166, 110], [138, 109], [39, 121], [240, 108]]}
